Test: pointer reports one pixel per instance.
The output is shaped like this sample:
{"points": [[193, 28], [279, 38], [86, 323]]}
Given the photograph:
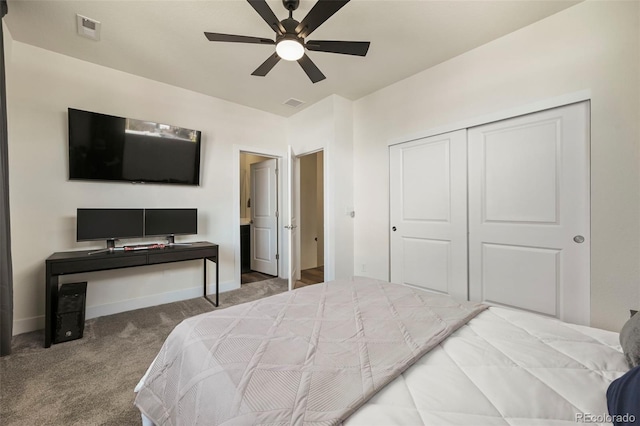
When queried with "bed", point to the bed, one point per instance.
{"points": [[367, 352]]}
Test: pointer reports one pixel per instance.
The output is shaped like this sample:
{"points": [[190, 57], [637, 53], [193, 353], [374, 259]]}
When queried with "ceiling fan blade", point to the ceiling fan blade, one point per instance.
{"points": [[319, 13], [267, 14], [267, 65], [357, 48], [311, 69], [238, 38]]}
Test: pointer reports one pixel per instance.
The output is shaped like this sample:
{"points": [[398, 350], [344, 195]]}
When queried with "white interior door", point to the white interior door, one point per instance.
{"points": [[428, 190], [529, 213], [292, 227], [264, 220]]}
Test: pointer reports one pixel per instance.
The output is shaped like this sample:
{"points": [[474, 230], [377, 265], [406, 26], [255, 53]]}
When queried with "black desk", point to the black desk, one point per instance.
{"points": [[75, 262]]}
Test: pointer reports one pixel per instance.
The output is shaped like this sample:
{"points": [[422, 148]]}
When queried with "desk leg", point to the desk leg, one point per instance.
{"points": [[205, 282], [217, 282], [51, 300]]}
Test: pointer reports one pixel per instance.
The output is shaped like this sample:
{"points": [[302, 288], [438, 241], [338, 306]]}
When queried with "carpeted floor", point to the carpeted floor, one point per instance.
{"points": [[90, 381]]}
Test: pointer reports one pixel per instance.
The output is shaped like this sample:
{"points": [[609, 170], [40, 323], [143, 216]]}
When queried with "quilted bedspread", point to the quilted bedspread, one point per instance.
{"points": [[504, 368], [310, 356]]}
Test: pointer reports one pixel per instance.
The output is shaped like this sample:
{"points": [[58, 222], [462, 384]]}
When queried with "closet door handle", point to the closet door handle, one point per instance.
{"points": [[394, 229]]}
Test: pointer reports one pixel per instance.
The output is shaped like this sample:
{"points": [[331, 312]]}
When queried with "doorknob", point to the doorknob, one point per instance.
{"points": [[394, 229], [578, 239]]}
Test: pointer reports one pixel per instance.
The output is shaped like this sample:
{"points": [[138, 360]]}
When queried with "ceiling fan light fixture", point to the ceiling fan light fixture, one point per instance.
{"points": [[290, 49]]}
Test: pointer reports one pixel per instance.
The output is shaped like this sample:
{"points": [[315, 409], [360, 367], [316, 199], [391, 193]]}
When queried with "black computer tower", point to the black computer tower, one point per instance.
{"points": [[69, 314]]}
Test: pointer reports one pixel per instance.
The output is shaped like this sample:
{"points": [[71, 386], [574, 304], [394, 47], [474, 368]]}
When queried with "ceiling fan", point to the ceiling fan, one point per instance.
{"points": [[290, 36]]}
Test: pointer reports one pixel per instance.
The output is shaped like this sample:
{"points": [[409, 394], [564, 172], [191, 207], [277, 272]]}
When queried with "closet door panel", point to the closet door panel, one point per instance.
{"points": [[423, 254], [428, 213], [426, 182], [521, 174], [537, 271], [528, 200]]}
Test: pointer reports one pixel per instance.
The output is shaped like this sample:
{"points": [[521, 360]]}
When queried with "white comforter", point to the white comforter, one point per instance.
{"points": [[311, 356], [504, 368]]}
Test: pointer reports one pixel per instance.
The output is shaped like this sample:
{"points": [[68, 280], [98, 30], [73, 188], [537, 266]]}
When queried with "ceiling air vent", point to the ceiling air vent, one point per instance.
{"points": [[88, 27], [293, 102]]}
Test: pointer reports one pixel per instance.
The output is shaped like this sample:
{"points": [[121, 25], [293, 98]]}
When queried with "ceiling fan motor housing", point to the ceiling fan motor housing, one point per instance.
{"points": [[289, 25], [291, 4]]}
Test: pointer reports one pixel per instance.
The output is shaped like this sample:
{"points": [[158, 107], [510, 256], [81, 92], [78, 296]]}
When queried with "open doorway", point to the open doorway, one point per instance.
{"points": [[311, 219], [258, 218]]}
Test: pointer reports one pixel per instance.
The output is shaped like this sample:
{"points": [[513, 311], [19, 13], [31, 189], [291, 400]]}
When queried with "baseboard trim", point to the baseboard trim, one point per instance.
{"points": [[228, 286], [27, 325], [142, 302]]}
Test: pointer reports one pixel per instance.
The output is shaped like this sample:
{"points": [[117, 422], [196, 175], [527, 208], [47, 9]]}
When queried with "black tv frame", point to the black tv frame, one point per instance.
{"points": [[108, 148]]}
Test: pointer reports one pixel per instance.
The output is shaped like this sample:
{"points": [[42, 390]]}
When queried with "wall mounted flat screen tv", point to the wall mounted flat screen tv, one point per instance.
{"points": [[108, 148], [160, 222], [109, 224]]}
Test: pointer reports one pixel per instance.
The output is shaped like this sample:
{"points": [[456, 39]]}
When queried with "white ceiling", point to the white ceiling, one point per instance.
{"points": [[164, 41]]}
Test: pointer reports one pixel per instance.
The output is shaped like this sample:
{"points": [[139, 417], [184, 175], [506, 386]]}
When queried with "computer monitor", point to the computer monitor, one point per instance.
{"points": [[170, 222], [109, 224]]}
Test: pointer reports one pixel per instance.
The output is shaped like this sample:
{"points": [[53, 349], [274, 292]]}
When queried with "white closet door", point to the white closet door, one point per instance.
{"points": [[529, 213], [429, 213]]}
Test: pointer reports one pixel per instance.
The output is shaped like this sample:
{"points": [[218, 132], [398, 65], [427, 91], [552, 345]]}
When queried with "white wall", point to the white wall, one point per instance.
{"points": [[328, 125], [591, 46], [41, 86]]}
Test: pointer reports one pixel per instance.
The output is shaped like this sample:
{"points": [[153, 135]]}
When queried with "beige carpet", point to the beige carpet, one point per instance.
{"points": [[90, 381]]}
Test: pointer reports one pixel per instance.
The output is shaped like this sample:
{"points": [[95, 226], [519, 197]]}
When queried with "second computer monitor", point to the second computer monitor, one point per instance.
{"points": [[169, 222]]}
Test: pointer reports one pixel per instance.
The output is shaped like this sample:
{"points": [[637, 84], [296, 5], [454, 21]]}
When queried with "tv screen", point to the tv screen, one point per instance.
{"points": [[108, 148], [170, 221], [108, 224]]}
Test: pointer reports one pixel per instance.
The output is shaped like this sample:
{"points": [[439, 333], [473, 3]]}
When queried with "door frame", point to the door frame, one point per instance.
{"points": [[264, 152], [283, 250], [262, 265], [298, 204], [328, 262]]}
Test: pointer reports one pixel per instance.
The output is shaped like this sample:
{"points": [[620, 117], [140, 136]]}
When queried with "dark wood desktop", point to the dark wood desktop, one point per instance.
{"points": [[74, 262]]}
